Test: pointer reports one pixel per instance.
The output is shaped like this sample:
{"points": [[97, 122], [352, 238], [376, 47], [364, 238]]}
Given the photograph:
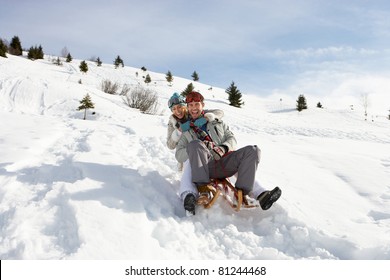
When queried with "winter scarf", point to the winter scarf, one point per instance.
{"points": [[196, 126]]}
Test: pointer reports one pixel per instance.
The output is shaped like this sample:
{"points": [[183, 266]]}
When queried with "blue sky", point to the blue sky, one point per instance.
{"points": [[263, 46]]}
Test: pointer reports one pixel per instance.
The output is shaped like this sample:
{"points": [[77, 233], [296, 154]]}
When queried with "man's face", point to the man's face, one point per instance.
{"points": [[195, 109]]}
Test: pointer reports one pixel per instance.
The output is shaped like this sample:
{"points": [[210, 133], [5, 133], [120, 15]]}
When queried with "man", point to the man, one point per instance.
{"points": [[210, 148]]}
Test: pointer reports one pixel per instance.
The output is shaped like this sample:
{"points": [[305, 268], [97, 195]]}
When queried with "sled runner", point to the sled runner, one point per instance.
{"points": [[223, 187]]}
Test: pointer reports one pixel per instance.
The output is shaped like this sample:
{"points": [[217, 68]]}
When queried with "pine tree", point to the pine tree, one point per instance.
{"points": [[83, 66], [86, 103], [69, 58], [3, 49], [234, 95], [169, 78], [40, 53], [189, 88], [98, 62], [147, 79], [35, 53], [195, 76], [15, 47], [57, 61], [118, 61], [301, 103]]}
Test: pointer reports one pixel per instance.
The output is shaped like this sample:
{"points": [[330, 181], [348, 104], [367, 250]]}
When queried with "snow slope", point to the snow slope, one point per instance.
{"points": [[106, 187]]}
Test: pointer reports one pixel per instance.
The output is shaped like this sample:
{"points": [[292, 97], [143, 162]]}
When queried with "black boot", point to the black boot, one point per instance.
{"points": [[190, 203], [268, 198]]}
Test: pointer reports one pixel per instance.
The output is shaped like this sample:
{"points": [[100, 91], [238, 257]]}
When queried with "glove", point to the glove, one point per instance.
{"points": [[176, 135], [200, 122], [185, 126], [218, 152]]}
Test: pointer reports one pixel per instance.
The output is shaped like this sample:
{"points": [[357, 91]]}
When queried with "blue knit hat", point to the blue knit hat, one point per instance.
{"points": [[175, 100]]}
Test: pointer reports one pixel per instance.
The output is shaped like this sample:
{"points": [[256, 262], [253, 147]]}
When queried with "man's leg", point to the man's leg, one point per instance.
{"points": [[199, 157], [244, 162]]}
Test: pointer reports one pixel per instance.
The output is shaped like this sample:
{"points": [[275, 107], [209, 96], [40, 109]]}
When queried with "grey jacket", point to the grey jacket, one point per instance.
{"points": [[219, 133], [173, 134]]}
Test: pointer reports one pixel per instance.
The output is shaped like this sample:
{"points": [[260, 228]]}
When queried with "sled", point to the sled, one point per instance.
{"points": [[223, 187]]}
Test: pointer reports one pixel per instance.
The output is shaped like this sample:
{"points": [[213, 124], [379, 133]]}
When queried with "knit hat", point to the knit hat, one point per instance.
{"points": [[194, 96], [175, 100]]}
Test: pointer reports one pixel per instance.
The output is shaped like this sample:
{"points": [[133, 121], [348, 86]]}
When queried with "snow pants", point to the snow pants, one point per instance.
{"points": [[187, 186], [244, 162]]}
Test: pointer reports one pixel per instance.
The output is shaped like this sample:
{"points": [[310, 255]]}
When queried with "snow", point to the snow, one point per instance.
{"points": [[107, 187]]}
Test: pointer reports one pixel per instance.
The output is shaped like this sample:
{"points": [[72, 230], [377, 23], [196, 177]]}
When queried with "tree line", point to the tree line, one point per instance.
{"points": [[36, 52]]}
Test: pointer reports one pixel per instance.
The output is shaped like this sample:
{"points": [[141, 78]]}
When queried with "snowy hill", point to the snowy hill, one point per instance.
{"points": [[106, 187]]}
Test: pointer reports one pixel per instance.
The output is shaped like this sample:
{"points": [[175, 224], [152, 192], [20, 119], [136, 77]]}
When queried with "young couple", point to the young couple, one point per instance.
{"points": [[206, 149]]}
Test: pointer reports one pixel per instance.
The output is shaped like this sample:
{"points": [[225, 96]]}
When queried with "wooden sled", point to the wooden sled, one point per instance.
{"points": [[223, 187]]}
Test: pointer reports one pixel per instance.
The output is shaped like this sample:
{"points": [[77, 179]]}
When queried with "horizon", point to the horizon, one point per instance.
{"points": [[273, 48]]}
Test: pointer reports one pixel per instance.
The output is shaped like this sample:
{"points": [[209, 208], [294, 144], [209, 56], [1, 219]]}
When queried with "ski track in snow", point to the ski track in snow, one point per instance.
{"points": [[115, 168], [55, 186]]}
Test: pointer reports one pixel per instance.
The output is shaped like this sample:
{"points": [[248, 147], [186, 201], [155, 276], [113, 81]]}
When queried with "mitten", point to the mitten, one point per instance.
{"points": [[218, 152], [200, 122], [185, 126], [176, 135]]}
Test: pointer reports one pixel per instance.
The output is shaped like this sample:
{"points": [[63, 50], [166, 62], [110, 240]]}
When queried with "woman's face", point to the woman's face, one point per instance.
{"points": [[178, 111]]}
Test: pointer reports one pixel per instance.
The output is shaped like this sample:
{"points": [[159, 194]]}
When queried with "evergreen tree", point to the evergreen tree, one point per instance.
{"points": [[3, 49], [69, 58], [118, 61], [86, 103], [40, 53], [98, 62], [319, 105], [234, 95], [147, 79], [195, 76], [143, 68], [169, 78], [35, 53], [15, 47], [83, 66], [189, 88], [301, 103], [57, 61]]}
